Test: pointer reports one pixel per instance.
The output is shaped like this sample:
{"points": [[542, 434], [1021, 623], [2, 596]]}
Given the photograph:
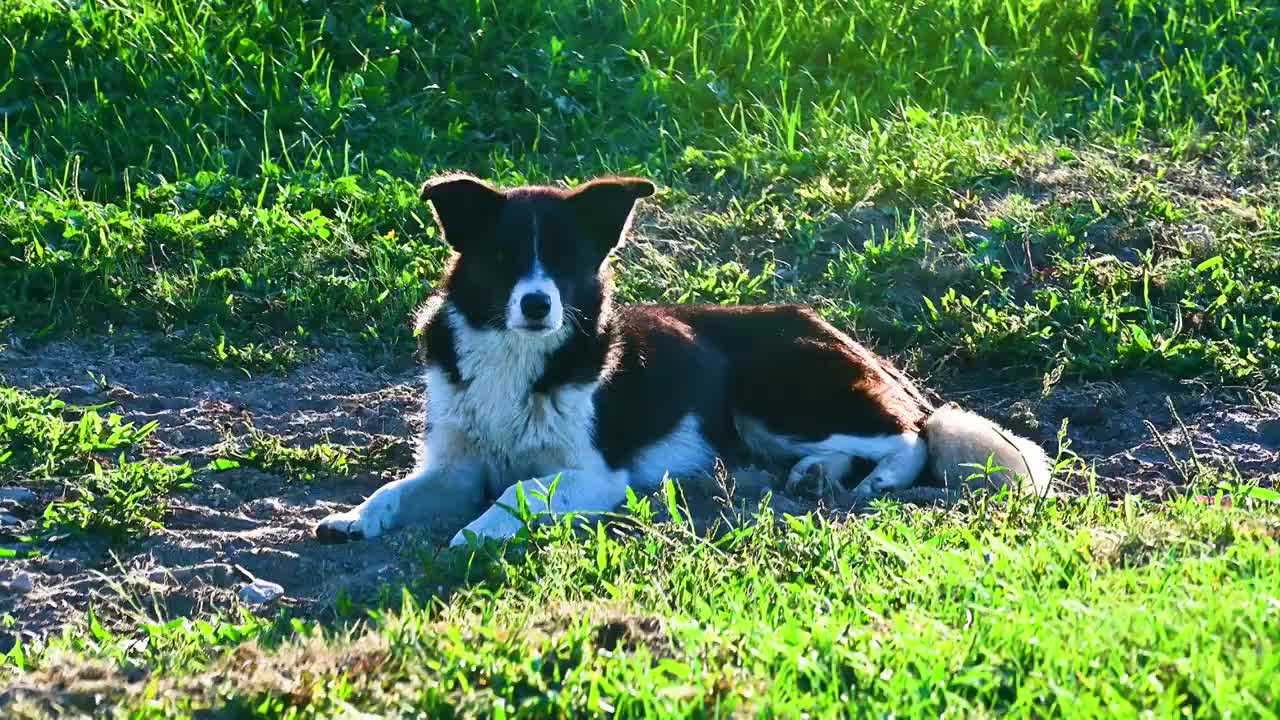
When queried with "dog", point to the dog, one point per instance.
{"points": [[535, 378]]}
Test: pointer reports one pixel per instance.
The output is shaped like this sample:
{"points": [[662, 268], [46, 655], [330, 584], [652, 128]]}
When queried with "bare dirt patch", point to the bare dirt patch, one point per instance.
{"points": [[232, 525], [241, 524]]}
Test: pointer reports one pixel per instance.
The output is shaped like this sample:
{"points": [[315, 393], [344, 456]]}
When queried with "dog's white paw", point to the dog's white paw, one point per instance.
{"points": [[350, 525], [496, 523], [874, 486], [867, 490], [367, 520]]}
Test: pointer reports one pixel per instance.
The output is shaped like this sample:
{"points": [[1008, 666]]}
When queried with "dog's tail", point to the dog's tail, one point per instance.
{"points": [[961, 443]]}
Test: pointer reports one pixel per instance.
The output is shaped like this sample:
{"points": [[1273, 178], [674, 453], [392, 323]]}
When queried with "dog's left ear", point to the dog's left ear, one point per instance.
{"points": [[604, 206]]}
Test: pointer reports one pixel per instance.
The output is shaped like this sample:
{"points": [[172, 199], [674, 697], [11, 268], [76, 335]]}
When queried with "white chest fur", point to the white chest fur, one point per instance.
{"points": [[492, 413]]}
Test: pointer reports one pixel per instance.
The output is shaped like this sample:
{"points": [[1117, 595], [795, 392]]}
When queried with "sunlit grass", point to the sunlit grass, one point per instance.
{"points": [[245, 173], [1073, 608], [1026, 189]]}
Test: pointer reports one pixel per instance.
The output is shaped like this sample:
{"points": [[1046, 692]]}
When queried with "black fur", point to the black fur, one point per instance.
{"points": [[663, 373]]}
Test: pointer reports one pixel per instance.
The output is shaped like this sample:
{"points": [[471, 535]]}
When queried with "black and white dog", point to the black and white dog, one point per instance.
{"points": [[532, 374]]}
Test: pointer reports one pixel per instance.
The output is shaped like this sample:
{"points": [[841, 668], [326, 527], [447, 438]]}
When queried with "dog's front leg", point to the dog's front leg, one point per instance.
{"points": [[579, 491], [430, 493]]}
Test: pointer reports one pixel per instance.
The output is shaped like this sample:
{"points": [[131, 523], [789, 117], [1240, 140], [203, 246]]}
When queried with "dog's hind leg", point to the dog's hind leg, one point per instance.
{"points": [[897, 470], [431, 493], [805, 393], [824, 473], [578, 491], [825, 463], [899, 460]]}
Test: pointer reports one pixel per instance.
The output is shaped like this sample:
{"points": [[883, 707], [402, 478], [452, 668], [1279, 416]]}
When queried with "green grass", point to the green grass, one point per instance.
{"points": [[85, 458], [243, 175], [42, 436], [124, 501], [1075, 608], [1048, 191], [271, 453]]}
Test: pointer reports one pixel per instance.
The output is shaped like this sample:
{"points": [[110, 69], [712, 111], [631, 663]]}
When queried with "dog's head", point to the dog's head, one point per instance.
{"points": [[529, 256]]}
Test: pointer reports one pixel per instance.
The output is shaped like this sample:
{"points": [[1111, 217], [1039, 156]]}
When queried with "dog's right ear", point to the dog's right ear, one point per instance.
{"points": [[463, 205]]}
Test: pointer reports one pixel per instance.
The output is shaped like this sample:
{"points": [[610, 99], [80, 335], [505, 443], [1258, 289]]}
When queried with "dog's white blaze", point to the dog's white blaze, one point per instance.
{"points": [[684, 450], [536, 281]]}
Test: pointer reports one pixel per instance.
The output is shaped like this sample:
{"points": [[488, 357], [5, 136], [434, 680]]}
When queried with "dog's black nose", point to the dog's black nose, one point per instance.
{"points": [[536, 306]]}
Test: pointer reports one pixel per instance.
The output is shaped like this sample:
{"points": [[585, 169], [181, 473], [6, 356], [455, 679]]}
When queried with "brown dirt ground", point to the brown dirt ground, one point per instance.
{"points": [[241, 523]]}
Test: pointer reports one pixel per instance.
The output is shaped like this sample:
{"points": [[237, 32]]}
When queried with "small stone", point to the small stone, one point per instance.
{"points": [[119, 393], [17, 496], [217, 495], [260, 592], [21, 583]]}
